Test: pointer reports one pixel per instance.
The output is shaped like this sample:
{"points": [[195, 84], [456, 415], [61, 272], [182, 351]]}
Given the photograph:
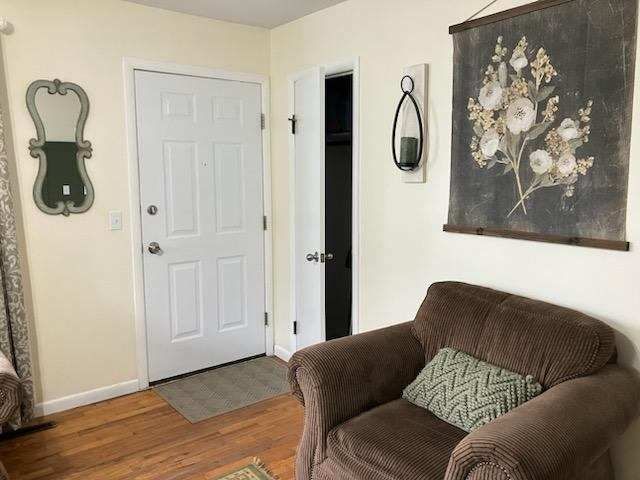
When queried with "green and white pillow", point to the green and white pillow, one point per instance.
{"points": [[468, 392]]}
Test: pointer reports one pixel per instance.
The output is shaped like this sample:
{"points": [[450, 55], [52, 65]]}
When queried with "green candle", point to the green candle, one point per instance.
{"points": [[409, 151]]}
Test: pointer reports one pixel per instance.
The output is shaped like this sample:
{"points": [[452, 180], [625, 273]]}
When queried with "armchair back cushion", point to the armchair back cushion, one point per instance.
{"points": [[551, 343]]}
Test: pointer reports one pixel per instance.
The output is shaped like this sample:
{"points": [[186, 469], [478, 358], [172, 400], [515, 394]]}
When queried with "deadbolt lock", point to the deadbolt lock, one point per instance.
{"points": [[152, 209]]}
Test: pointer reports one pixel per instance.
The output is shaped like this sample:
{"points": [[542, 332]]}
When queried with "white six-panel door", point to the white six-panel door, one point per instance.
{"points": [[200, 160]]}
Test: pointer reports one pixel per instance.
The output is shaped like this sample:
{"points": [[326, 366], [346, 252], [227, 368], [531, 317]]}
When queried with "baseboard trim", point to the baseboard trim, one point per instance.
{"points": [[281, 353], [85, 398]]}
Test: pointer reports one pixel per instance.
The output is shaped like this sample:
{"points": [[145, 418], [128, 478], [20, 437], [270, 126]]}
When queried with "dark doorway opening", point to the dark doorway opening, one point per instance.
{"points": [[338, 204]]}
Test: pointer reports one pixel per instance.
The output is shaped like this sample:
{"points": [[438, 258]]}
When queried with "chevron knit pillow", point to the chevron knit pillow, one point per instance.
{"points": [[467, 392]]}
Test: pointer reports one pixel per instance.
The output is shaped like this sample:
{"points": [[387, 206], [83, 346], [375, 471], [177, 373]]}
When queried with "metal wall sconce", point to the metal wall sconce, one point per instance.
{"points": [[410, 147], [409, 138]]}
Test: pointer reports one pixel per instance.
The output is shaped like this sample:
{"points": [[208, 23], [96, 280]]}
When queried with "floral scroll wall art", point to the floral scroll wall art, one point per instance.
{"points": [[542, 120]]}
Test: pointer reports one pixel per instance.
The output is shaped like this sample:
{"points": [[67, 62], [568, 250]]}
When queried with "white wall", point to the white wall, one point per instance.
{"points": [[404, 250], [81, 273]]}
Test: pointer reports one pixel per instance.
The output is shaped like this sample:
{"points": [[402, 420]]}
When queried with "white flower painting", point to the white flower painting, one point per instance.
{"points": [[515, 125], [543, 99]]}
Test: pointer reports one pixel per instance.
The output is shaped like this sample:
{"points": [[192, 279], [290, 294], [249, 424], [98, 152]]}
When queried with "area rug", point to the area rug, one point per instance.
{"points": [[254, 471], [221, 390]]}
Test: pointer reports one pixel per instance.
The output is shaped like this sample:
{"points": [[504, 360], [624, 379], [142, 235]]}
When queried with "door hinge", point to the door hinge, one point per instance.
{"points": [[266, 319], [295, 328], [264, 222], [293, 121], [263, 121]]}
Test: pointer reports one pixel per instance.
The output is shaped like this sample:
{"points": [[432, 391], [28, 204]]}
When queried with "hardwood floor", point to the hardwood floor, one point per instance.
{"points": [[140, 437]]}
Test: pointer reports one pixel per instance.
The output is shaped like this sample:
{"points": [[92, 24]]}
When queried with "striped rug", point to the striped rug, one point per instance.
{"points": [[256, 470]]}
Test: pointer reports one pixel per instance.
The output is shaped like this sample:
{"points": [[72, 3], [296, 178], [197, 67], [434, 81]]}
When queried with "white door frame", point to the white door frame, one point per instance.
{"points": [[129, 66], [352, 65]]}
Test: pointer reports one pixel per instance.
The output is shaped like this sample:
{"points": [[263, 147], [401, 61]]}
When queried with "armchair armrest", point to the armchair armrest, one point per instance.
{"points": [[339, 379], [555, 435], [10, 392]]}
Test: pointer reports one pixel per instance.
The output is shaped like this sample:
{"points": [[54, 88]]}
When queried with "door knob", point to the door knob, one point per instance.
{"points": [[328, 257], [152, 209], [313, 257], [154, 248]]}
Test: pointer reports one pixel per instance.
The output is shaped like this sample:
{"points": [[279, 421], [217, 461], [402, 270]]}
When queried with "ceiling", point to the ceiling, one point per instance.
{"points": [[260, 13]]}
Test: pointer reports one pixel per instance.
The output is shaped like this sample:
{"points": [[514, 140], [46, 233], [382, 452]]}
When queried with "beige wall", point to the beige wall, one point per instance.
{"points": [[404, 250], [81, 273]]}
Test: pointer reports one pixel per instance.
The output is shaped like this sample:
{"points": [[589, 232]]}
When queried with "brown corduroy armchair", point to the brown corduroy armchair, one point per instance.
{"points": [[357, 426]]}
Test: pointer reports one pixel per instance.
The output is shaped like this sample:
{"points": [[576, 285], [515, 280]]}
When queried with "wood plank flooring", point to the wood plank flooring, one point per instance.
{"points": [[140, 437]]}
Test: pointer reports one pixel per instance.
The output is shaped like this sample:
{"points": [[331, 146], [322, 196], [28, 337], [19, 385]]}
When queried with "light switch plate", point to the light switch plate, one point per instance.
{"points": [[115, 220]]}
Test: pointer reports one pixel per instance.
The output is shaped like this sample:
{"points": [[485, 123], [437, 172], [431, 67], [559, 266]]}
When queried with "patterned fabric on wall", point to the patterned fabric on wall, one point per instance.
{"points": [[14, 334]]}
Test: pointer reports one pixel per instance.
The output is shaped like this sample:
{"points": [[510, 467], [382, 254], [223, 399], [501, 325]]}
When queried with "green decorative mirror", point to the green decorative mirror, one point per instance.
{"points": [[59, 111]]}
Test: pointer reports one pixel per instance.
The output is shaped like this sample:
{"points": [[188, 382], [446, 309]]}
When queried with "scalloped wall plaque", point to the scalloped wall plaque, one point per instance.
{"points": [[59, 111]]}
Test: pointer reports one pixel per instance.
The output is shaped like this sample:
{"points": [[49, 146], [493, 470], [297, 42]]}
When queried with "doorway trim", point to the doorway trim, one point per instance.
{"points": [[352, 65], [129, 66]]}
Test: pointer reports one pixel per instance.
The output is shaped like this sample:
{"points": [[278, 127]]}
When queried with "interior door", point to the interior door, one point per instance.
{"points": [[200, 160], [307, 135]]}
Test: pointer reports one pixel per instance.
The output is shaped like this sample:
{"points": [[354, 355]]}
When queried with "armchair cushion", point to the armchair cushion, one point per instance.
{"points": [[396, 440], [467, 392]]}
